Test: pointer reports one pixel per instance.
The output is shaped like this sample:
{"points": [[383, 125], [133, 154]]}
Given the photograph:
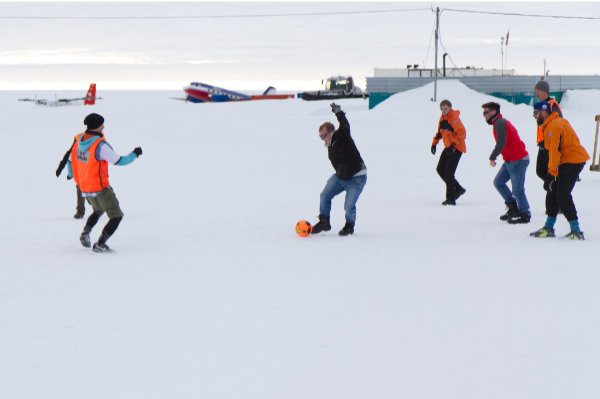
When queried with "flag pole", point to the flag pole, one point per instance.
{"points": [[502, 54], [506, 44]]}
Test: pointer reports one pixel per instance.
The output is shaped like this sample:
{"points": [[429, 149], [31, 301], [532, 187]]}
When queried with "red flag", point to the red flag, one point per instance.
{"points": [[507, 33]]}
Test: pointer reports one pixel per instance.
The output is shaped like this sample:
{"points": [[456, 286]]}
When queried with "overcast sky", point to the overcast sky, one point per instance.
{"points": [[290, 45]]}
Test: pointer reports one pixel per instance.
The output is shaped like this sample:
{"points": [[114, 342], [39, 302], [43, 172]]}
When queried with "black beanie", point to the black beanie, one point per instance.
{"points": [[93, 121]]}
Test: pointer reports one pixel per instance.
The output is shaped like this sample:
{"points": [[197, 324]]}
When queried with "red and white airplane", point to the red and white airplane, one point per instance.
{"points": [[89, 99], [201, 93]]}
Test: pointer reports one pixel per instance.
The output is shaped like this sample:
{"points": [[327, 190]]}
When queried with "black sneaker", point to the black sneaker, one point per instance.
{"points": [[78, 215], [322, 225], [449, 202], [543, 232], [101, 248], [84, 238], [347, 229], [522, 218]]}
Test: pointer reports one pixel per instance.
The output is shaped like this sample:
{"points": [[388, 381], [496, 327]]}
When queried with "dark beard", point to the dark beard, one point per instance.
{"points": [[539, 120]]}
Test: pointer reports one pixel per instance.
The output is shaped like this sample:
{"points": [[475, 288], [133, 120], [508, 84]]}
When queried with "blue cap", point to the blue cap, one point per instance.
{"points": [[542, 105]]}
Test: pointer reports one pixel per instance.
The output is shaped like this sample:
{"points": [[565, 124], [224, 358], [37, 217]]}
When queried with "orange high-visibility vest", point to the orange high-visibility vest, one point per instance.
{"points": [[90, 174], [540, 131]]}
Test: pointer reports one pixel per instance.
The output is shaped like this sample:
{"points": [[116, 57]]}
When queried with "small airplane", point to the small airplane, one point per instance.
{"points": [[89, 99], [202, 93]]}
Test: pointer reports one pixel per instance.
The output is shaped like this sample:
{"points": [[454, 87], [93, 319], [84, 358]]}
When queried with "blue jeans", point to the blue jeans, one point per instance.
{"points": [[353, 187], [515, 172]]}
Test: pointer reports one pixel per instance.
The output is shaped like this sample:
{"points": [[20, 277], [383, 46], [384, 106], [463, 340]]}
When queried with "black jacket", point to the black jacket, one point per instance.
{"points": [[343, 154]]}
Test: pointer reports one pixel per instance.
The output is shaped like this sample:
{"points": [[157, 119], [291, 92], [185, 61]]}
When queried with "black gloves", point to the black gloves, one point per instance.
{"points": [[438, 136], [335, 108], [433, 148], [549, 182], [69, 177], [452, 147], [137, 151], [445, 125]]}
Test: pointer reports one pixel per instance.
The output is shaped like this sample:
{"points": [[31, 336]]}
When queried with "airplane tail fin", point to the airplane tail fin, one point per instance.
{"points": [[270, 90], [90, 97]]}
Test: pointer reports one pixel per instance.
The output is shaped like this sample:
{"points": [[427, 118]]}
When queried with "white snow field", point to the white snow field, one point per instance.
{"points": [[211, 294]]}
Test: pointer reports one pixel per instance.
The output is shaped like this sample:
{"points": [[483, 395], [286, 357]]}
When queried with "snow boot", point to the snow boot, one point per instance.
{"points": [[512, 212], [449, 202], [459, 190], [322, 225], [522, 218], [101, 248], [575, 235], [543, 232], [84, 238], [347, 229], [78, 215]]}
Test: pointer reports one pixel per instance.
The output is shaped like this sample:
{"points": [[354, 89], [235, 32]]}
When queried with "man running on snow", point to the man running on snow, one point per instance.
{"points": [[566, 158], [89, 166], [516, 161], [452, 132]]}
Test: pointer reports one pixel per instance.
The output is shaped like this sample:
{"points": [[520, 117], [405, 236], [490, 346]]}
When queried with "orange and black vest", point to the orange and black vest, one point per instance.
{"points": [[90, 174], [540, 131]]}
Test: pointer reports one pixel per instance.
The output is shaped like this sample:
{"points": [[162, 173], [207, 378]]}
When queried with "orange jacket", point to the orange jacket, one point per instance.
{"points": [[90, 174], [540, 131], [562, 143], [456, 137]]}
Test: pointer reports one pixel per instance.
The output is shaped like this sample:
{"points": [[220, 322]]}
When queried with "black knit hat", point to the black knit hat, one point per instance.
{"points": [[93, 121]]}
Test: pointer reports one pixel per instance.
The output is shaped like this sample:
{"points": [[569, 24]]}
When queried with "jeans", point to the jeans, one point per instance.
{"points": [[334, 186], [515, 172]]}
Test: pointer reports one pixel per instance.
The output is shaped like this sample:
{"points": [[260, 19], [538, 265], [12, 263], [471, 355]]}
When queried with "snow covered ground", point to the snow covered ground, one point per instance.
{"points": [[210, 293]]}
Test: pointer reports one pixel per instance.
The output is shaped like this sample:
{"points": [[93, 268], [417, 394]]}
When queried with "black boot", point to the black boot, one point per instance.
{"points": [[459, 190], [85, 237], [101, 248], [347, 230], [522, 218], [322, 225], [512, 211]]}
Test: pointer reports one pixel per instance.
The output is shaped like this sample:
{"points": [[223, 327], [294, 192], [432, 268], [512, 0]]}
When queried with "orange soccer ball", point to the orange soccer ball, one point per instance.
{"points": [[303, 228]]}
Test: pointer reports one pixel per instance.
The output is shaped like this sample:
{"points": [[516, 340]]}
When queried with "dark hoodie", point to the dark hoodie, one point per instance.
{"points": [[343, 154]]}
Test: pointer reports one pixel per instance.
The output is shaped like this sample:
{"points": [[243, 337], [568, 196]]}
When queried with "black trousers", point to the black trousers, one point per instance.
{"points": [[560, 197], [446, 168], [541, 165]]}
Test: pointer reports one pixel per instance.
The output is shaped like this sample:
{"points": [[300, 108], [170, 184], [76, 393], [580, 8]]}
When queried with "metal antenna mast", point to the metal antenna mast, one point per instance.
{"points": [[435, 72]]}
